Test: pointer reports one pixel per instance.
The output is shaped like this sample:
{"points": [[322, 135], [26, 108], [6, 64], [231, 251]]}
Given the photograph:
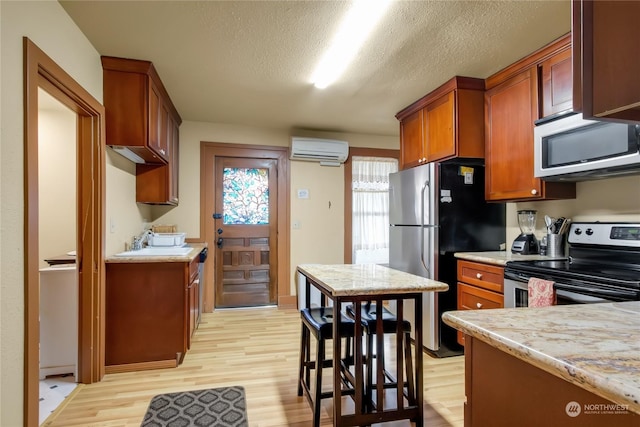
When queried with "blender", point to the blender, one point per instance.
{"points": [[526, 243]]}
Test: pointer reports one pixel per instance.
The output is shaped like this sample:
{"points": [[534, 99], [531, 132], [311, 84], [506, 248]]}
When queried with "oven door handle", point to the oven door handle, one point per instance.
{"points": [[596, 293]]}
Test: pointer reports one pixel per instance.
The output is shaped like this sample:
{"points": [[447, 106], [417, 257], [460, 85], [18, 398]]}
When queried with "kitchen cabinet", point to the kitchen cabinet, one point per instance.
{"points": [[480, 286], [142, 119], [512, 103], [501, 390], [151, 310], [605, 66], [158, 184], [444, 124], [556, 83]]}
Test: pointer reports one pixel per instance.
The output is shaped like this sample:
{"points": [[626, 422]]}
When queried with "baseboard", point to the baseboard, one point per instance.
{"points": [[288, 301]]}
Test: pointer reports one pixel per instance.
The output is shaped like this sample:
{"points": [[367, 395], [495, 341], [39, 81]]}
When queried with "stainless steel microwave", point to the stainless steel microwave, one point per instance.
{"points": [[571, 148]]}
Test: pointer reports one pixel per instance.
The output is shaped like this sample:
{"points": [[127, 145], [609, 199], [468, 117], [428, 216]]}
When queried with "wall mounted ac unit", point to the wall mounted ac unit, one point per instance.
{"points": [[329, 152]]}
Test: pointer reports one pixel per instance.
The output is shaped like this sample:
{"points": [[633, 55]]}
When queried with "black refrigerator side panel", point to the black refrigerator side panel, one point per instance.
{"points": [[467, 223]]}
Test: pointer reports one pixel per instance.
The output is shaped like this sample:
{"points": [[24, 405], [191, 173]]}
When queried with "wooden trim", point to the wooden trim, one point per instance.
{"points": [[40, 71], [287, 301], [208, 152], [142, 366], [530, 60], [348, 202]]}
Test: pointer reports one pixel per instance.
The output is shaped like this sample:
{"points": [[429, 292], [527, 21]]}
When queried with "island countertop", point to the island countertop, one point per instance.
{"points": [[594, 346], [367, 279], [197, 248]]}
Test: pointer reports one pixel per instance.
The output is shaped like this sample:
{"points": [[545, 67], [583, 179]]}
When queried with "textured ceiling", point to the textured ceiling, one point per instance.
{"points": [[249, 62]]}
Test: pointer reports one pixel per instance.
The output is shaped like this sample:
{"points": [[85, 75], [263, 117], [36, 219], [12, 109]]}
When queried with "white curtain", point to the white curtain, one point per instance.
{"points": [[370, 198]]}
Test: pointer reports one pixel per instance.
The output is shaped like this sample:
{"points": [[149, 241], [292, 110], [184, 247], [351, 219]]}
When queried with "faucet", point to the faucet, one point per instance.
{"points": [[139, 240]]}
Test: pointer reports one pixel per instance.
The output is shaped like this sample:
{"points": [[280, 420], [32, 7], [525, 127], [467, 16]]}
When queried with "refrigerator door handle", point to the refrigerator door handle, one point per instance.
{"points": [[423, 194]]}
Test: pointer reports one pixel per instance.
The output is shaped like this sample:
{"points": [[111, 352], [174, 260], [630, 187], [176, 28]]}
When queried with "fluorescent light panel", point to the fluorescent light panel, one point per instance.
{"points": [[358, 23]]}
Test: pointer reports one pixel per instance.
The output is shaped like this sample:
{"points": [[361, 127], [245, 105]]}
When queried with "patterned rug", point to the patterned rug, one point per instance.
{"points": [[217, 407]]}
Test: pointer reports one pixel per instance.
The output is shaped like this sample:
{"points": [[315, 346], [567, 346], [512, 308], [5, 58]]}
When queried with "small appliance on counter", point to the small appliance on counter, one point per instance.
{"points": [[526, 243]]}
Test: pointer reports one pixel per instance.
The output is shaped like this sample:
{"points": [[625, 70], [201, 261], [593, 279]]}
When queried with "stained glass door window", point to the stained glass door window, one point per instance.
{"points": [[245, 196]]}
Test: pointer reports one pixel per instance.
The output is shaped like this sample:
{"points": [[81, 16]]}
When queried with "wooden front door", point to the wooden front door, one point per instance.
{"points": [[245, 232]]}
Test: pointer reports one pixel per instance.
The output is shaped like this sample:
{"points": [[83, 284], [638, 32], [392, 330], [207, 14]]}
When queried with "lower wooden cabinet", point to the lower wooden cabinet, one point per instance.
{"points": [[151, 314], [480, 286]]}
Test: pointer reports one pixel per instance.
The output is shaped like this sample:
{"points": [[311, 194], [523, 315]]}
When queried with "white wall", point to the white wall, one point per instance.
{"points": [[49, 27], [56, 178], [612, 199]]}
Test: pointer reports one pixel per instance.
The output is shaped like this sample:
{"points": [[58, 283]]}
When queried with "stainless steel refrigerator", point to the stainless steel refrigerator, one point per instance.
{"points": [[435, 210]]}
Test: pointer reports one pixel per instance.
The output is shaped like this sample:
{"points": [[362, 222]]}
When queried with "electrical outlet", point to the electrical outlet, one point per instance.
{"points": [[112, 225], [296, 225]]}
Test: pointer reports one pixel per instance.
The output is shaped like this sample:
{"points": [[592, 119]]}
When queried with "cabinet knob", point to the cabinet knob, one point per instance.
{"points": [[424, 159], [534, 191], [479, 275], [479, 304]]}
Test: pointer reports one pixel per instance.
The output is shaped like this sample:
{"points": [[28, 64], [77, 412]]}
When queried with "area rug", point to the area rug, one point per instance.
{"points": [[217, 407]]}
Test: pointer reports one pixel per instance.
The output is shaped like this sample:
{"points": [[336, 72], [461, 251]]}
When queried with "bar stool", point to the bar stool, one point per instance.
{"points": [[318, 322], [389, 326]]}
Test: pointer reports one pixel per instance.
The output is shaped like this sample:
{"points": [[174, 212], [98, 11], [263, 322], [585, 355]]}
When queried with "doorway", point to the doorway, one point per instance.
{"points": [[246, 191], [41, 72], [57, 224], [250, 246]]}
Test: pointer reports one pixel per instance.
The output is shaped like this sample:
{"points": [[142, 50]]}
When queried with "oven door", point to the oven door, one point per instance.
{"points": [[516, 294]]}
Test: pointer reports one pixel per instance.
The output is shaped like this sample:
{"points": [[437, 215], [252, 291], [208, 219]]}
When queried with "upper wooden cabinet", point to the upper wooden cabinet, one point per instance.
{"points": [[556, 77], [444, 124], [142, 118], [136, 105], [605, 43], [512, 103]]}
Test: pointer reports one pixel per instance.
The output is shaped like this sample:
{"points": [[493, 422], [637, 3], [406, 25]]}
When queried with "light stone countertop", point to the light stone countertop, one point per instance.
{"points": [[197, 248], [367, 279], [594, 346], [500, 258]]}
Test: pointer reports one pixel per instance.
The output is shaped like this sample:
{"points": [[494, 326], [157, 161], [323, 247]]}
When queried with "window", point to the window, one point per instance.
{"points": [[370, 208]]}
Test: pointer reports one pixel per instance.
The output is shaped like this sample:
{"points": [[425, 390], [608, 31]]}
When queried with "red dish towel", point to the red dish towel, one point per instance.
{"points": [[541, 293]]}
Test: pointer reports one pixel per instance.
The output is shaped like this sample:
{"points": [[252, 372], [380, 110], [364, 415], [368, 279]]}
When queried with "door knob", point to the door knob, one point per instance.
{"points": [[219, 230], [219, 242]]}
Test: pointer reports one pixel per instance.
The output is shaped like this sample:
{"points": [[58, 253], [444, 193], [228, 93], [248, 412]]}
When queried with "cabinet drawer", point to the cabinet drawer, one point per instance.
{"points": [[472, 298], [490, 277]]}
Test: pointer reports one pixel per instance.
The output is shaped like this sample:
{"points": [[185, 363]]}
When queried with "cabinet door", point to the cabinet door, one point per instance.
{"points": [[439, 122], [608, 42], [411, 140], [510, 110], [157, 122], [557, 83], [174, 160]]}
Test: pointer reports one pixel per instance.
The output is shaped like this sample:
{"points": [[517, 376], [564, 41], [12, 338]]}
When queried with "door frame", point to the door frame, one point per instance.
{"points": [[40, 71], [211, 150]]}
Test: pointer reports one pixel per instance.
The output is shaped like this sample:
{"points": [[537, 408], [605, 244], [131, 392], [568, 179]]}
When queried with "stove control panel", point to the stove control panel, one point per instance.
{"points": [[605, 234]]}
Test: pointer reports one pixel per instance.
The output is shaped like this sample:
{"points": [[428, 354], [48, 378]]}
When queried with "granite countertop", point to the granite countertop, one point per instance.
{"points": [[500, 257], [367, 279], [197, 248], [594, 346]]}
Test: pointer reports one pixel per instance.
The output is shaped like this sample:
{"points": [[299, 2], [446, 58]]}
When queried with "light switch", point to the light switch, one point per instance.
{"points": [[303, 193]]}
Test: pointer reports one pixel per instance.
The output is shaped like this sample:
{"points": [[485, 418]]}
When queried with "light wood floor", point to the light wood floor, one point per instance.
{"points": [[254, 348]]}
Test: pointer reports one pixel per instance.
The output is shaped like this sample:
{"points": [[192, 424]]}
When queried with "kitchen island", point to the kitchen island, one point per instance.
{"points": [[358, 284], [152, 308], [573, 365]]}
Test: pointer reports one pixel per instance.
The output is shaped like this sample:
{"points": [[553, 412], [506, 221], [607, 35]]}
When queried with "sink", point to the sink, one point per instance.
{"points": [[157, 251]]}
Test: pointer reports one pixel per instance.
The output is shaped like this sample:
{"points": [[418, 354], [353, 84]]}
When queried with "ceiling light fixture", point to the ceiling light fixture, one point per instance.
{"points": [[356, 26]]}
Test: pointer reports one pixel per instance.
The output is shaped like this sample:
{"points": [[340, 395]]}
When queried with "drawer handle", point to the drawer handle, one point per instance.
{"points": [[479, 275], [479, 304]]}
